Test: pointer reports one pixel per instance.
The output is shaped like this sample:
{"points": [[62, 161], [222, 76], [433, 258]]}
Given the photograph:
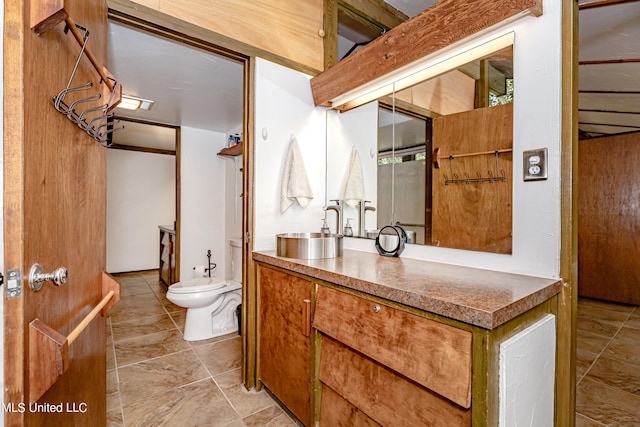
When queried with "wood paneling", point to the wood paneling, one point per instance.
{"points": [[473, 216], [384, 396], [609, 218], [439, 26], [435, 355], [55, 199], [283, 30], [337, 412], [284, 366]]}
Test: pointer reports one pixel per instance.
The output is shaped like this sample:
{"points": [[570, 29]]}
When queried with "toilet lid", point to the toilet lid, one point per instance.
{"points": [[196, 285]]}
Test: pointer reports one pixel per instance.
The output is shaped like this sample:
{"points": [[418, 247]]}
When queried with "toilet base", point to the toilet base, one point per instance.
{"points": [[209, 322]]}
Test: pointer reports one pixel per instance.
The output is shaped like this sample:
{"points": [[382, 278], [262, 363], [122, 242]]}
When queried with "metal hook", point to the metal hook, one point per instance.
{"points": [[82, 123], [58, 100]]}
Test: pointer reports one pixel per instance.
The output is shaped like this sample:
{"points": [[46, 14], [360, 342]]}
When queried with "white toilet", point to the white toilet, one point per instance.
{"points": [[211, 303]]}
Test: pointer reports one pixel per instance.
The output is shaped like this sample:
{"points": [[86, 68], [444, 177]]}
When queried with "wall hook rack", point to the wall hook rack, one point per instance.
{"points": [[498, 176], [96, 121]]}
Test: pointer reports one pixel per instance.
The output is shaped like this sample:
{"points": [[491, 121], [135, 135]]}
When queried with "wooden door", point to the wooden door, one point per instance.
{"points": [[609, 218], [55, 197], [467, 214], [285, 345]]}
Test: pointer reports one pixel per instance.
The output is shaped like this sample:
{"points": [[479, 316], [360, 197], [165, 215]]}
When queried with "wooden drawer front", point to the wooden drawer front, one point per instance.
{"points": [[384, 396], [435, 355], [337, 412]]}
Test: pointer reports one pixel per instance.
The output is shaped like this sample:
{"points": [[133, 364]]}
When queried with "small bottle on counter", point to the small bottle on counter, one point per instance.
{"points": [[348, 231]]}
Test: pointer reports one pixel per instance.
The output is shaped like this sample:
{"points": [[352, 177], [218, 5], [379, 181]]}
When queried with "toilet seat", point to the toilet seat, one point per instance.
{"points": [[194, 286]]}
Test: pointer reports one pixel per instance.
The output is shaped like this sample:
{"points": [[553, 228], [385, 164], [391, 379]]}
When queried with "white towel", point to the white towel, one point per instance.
{"points": [[354, 188], [295, 183]]}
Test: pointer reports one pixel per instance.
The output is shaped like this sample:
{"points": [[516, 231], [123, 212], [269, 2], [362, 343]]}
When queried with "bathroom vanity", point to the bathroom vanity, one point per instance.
{"points": [[368, 340]]}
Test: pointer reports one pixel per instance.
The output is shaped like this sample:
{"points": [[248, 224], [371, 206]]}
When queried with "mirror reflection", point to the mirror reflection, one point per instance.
{"points": [[433, 157]]}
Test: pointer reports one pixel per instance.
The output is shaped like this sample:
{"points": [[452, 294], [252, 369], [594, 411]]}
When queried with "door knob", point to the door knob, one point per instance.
{"points": [[37, 277]]}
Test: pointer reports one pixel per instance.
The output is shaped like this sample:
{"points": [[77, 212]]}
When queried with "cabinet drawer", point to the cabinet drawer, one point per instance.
{"points": [[433, 354], [337, 412], [383, 396]]}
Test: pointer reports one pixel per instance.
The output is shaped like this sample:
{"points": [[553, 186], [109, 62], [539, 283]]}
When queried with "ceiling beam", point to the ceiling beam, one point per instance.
{"points": [[602, 3], [439, 26], [375, 12]]}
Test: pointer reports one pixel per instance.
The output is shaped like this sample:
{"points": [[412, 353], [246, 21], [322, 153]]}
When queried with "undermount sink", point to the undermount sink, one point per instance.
{"points": [[309, 245]]}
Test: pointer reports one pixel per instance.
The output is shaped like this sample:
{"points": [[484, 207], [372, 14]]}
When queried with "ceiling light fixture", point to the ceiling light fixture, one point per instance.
{"points": [[134, 103], [414, 73]]}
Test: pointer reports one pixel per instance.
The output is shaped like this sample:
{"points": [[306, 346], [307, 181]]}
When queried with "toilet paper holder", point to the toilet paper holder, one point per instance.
{"points": [[212, 265]]}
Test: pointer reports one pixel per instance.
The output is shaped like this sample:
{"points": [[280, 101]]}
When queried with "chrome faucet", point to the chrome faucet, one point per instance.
{"points": [[362, 209], [338, 208]]}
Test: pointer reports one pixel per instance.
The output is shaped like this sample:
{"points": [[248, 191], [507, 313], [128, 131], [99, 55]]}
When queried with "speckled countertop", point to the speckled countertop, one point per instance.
{"points": [[479, 297]]}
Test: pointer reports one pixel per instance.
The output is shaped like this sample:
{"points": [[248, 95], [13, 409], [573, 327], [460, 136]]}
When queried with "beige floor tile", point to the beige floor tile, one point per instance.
{"points": [[605, 328], [144, 347], [606, 404], [114, 418], [197, 404], [616, 373], [211, 340], [582, 421], [601, 313], [113, 392], [244, 401], [591, 342], [584, 360], [624, 308], [625, 346], [134, 289], [144, 325], [221, 356], [273, 416], [150, 377], [178, 318]]}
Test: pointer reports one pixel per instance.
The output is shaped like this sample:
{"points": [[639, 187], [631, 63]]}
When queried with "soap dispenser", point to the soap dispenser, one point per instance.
{"points": [[348, 231]]}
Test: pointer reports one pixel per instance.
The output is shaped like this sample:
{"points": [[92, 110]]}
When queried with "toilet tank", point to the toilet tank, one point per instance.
{"points": [[236, 259]]}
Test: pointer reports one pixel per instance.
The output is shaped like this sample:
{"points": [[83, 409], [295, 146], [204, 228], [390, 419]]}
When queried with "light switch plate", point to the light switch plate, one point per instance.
{"points": [[534, 164]]}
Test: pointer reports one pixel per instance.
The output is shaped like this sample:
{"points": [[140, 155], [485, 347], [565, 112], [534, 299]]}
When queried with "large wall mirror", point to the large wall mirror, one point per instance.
{"points": [[434, 154]]}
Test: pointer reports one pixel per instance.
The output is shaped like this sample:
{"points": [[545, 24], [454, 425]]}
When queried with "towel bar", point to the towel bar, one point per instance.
{"points": [[49, 349]]}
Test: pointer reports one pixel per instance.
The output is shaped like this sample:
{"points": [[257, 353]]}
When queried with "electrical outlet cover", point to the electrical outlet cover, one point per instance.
{"points": [[534, 164]]}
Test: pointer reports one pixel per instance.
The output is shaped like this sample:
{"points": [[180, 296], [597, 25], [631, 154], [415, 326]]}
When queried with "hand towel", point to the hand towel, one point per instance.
{"points": [[354, 188], [295, 183]]}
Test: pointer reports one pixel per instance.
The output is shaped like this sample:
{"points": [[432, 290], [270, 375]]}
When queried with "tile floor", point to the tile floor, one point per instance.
{"points": [[155, 378], [608, 364]]}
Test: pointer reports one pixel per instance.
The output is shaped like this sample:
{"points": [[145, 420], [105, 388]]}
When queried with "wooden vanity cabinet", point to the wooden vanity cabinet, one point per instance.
{"points": [[284, 364], [390, 366]]}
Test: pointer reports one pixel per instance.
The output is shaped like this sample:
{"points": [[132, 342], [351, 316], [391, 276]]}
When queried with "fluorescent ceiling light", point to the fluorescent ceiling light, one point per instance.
{"points": [[134, 103], [421, 70]]}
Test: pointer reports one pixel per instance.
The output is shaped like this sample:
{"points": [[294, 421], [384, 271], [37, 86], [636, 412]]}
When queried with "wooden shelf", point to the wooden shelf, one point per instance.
{"points": [[236, 150]]}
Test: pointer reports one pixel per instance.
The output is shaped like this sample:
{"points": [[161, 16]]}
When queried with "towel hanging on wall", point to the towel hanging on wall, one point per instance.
{"points": [[295, 183], [354, 188]]}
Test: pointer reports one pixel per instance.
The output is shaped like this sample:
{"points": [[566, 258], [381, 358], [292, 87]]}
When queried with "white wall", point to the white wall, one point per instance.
{"points": [[140, 197], [537, 116], [284, 106], [202, 200]]}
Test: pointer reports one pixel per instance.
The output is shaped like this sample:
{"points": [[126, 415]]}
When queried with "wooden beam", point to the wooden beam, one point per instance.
{"points": [[378, 12], [142, 149], [330, 33], [439, 26], [602, 3]]}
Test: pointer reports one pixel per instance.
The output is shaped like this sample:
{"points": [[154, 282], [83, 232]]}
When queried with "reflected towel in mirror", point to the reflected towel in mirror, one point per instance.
{"points": [[295, 182], [354, 188]]}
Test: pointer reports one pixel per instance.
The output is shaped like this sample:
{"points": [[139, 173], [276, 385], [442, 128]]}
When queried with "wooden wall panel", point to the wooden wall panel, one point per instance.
{"points": [[473, 216], [609, 218], [281, 29]]}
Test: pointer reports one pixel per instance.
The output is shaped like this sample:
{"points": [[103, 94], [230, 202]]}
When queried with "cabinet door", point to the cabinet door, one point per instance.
{"points": [[285, 345]]}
